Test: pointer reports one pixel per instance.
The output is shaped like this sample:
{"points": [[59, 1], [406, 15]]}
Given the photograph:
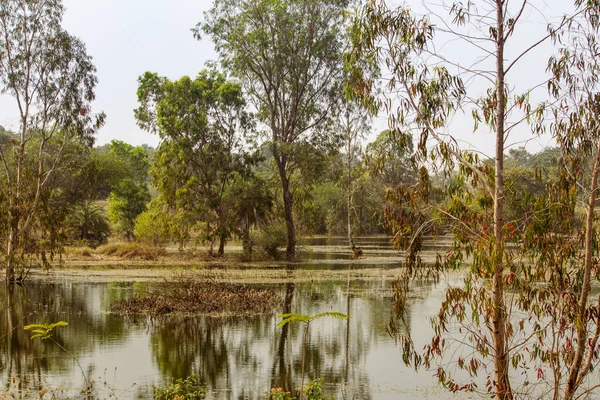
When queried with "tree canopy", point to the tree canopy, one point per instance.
{"points": [[288, 56]]}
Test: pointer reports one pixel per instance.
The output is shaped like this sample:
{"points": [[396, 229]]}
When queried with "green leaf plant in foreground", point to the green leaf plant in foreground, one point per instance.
{"points": [[307, 319], [44, 332]]}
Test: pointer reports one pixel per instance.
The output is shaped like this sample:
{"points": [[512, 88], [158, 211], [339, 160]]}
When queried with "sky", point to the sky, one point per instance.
{"points": [[128, 38]]}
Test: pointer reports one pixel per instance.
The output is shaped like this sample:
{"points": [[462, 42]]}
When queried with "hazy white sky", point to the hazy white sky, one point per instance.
{"points": [[127, 38]]}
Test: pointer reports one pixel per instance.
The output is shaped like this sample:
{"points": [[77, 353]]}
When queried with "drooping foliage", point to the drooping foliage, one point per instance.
{"points": [[517, 231]]}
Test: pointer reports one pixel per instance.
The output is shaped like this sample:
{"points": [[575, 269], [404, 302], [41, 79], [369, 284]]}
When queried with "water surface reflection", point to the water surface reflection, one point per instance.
{"points": [[237, 357]]}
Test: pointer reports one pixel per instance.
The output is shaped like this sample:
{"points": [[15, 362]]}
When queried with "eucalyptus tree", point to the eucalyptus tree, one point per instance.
{"points": [[355, 125], [426, 89], [51, 78], [576, 85], [202, 123], [288, 56]]}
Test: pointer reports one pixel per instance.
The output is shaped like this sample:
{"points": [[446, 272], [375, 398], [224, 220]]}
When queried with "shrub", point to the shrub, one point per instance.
{"points": [[270, 238], [278, 394], [153, 225], [131, 250], [181, 389]]}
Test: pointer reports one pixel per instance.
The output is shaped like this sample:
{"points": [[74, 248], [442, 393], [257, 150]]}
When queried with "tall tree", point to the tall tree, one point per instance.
{"points": [[426, 89], [202, 123], [288, 56], [51, 78], [355, 125], [576, 85]]}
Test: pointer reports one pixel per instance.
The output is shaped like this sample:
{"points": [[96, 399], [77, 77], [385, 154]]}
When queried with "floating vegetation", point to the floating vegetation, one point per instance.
{"points": [[190, 295]]}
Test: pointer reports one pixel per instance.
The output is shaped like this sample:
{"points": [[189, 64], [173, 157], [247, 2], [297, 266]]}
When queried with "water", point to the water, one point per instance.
{"points": [[235, 357]]}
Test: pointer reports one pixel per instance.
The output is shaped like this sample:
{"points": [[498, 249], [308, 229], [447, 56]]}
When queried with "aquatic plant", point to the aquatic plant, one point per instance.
{"points": [[182, 389], [278, 394], [44, 332], [313, 391], [307, 319]]}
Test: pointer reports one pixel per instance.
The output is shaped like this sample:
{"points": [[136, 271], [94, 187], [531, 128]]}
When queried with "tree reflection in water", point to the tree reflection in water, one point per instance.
{"points": [[235, 356]]}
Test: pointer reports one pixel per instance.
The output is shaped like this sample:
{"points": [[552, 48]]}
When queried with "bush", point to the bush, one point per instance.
{"points": [[181, 389], [278, 394], [312, 391], [270, 238], [87, 224], [153, 225]]}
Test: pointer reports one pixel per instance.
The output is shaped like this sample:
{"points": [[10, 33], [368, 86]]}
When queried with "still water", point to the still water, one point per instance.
{"points": [[236, 357]]}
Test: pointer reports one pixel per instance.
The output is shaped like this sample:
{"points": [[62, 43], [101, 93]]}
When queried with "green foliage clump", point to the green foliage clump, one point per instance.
{"points": [[154, 224], [181, 389], [278, 394], [270, 238], [87, 223], [313, 391], [127, 200]]}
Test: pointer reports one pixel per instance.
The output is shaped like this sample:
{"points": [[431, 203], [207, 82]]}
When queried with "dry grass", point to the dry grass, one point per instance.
{"points": [[131, 250], [189, 295], [83, 251]]}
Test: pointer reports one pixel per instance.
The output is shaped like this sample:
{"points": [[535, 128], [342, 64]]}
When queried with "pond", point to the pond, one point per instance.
{"points": [[236, 357]]}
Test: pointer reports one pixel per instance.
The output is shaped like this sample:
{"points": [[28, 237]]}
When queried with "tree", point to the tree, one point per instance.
{"points": [[202, 123], [127, 200], [287, 54], [575, 84], [87, 221], [355, 126], [251, 203], [155, 224], [427, 89], [134, 160], [51, 78], [389, 157]]}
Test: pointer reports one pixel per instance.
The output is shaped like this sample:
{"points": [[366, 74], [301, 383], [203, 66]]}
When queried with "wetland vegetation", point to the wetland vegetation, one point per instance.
{"points": [[180, 257]]}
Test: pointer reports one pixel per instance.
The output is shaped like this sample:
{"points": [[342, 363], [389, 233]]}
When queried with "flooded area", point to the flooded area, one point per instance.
{"points": [[236, 357]]}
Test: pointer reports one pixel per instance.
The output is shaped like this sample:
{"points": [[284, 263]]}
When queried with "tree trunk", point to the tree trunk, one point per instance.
{"points": [[10, 252], [349, 177], [287, 206], [576, 371], [247, 241], [222, 240], [499, 317], [349, 201]]}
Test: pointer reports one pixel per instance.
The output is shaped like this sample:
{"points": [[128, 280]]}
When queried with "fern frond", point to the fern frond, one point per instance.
{"points": [[43, 331], [336, 315], [293, 317]]}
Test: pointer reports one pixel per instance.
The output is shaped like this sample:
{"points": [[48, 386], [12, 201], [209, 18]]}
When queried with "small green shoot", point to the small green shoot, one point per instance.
{"points": [[43, 331], [307, 319]]}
